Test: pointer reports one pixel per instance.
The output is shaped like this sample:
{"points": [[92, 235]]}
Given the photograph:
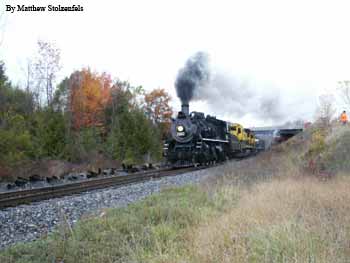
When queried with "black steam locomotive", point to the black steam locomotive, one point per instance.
{"points": [[196, 139]]}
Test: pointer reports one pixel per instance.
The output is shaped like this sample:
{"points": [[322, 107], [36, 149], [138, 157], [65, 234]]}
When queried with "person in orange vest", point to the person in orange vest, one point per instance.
{"points": [[343, 118]]}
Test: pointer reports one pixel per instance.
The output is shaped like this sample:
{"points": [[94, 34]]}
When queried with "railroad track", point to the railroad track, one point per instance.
{"points": [[11, 199]]}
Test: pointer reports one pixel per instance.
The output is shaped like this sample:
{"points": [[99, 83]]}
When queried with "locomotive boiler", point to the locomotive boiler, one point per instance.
{"points": [[196, 139]]}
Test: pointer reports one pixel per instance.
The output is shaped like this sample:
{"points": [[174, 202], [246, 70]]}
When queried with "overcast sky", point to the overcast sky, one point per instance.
{"points": [[294, 49]]}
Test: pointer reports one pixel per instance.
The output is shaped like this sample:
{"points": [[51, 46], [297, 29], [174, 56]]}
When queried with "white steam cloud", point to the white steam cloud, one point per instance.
{"points": [[226, 94]]}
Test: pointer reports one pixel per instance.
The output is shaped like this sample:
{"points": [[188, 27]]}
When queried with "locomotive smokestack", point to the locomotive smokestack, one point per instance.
{"points": [[191, 77], [185, 109]]}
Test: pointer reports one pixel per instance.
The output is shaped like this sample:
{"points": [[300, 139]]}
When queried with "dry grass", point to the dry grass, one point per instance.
{"points": [[290, 220]]}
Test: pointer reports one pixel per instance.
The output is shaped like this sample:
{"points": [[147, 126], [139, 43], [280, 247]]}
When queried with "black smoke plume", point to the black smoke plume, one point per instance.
{"points": [[194, 75], [227, 94]]}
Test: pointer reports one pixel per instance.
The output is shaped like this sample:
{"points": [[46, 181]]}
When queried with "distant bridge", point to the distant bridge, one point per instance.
{"points": [[275, 134]]}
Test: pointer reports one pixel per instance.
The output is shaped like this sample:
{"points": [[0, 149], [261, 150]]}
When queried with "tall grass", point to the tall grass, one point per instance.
{"points": [[291, 220]]}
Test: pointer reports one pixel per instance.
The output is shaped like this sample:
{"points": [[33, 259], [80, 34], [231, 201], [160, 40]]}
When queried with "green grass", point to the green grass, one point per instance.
{"points": [[151, 230]]}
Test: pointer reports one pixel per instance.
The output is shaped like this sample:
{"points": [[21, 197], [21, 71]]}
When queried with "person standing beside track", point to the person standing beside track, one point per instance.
{"points": [[344, 118]]}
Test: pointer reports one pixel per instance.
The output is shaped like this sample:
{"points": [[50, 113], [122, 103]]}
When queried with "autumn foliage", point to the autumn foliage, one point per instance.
{"points": [[90, 94], [158, 109], [88, 116]]}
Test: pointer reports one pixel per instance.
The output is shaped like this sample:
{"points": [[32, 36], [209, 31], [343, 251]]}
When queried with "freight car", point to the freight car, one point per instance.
{"points": [[196, 139]]}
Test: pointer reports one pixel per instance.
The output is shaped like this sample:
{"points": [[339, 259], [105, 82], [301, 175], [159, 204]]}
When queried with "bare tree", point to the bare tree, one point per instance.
{"points": [[344, 91], [326, 110], [28, 73], [46, 67]]}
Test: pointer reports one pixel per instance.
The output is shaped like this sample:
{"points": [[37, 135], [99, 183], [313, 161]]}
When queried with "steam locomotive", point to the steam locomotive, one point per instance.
{"points": [[196, 139]]}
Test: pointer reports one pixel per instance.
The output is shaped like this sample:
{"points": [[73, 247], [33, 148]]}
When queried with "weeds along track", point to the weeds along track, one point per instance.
{"points": [[11, 199]]}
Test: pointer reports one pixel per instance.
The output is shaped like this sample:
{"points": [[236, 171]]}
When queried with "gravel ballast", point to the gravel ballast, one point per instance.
{"points": [[29, 222]]}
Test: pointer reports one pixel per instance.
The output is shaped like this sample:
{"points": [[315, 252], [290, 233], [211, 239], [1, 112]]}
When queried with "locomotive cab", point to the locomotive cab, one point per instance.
{"points": [[197, 115], [237, 131], [250, 137]]}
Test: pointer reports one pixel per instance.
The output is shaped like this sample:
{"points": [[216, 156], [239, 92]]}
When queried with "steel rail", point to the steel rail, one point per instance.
{"points": [[15, 198], [50, 188]]}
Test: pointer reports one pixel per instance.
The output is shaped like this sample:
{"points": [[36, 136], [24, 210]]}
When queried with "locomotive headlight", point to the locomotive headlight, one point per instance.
{"points": [[180, 128]]}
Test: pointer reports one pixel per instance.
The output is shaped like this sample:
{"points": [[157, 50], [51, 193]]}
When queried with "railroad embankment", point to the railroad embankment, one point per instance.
{"points": [[290, 204]]}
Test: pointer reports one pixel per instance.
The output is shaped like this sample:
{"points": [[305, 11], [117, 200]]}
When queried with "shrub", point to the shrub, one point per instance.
{"points": [[48, 128], [337, 154], [318, 144], [15, 139]]}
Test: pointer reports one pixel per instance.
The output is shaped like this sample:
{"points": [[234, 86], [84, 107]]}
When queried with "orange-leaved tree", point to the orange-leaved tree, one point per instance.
{"points": [[158, 109], [90, 93]]}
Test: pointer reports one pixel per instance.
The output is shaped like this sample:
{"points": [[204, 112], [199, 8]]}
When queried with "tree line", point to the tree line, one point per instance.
{"points": [[87, 113]]}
